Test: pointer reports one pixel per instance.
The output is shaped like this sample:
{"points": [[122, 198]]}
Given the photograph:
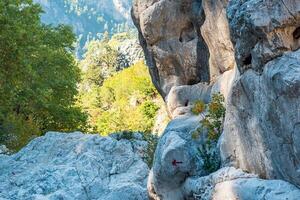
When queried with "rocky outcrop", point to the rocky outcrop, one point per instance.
{"points": [[181, 99], [233, 184], [178, 171], [251, 56], [129, 53], [176, 158], [263, 30], [263, 109], [179, 40], [76, 166], [264, 113], [254, 188]]}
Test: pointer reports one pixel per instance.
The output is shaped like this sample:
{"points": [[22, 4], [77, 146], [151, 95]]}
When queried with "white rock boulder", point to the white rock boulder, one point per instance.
{"points": [[233, 184], [75, 166]]}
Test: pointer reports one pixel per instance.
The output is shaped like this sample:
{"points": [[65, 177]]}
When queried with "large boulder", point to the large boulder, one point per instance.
{"points": [[176, 158], [75, 166], [185, 42], [261, 132], [233, 184], [181, 99]]}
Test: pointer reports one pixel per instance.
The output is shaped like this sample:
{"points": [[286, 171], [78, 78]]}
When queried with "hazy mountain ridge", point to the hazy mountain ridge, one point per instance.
{"points": [[89, 19]]}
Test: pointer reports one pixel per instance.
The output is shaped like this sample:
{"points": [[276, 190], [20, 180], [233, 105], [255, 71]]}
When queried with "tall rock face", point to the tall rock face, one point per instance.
{"points": [[262, 128], [179, 40], [249, 51]]}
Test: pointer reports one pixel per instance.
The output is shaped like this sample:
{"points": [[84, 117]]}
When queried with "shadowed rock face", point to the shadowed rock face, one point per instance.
{"points": [[185, 42]]}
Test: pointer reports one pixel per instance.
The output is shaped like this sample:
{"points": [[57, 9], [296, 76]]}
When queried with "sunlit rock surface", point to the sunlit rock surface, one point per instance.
{"points": [[248, 51], [185, 42], [262, 124], [233, 184], [75, 166]]}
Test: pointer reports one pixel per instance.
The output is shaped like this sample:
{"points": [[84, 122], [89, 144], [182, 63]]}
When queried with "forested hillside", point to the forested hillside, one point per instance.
{"points": [[89, 19], [115, 98]]}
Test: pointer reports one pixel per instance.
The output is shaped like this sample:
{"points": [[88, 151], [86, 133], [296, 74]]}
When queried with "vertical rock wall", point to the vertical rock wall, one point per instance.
{"points": [[185, 42], [262, 129], [248, 51]]}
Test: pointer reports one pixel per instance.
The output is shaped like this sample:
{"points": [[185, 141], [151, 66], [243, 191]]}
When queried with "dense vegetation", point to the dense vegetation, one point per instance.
{"points": [[38, 75], [116, 99], [42, 88], [125, 101]]}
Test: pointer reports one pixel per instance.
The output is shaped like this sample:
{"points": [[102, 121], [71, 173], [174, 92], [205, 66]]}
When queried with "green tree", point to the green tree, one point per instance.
{"points": [[126, 101], [38, 75], [99, 63]]}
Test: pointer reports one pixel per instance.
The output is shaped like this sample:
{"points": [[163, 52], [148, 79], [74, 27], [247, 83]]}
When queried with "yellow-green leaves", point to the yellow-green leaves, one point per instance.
{"points": [[213, 121], [199, 107], [126, 101]]}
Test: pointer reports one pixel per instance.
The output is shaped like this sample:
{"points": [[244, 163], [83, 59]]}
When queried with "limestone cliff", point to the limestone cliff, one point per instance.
{"points": [[248, 51]]}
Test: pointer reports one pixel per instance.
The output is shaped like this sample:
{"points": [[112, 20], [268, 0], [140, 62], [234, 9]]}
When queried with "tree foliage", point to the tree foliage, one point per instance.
{"points": [[101, 58], [126, 101], [38, 75]]}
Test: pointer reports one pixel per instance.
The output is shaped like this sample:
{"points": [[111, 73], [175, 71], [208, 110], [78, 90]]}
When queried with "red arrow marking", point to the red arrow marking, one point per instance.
{"points": [[175, 162]]}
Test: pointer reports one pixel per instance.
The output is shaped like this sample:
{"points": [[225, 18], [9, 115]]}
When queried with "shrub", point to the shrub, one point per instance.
{"points": [[199, 107], [210, 157], [213, 121], [18, 131], [213, 124], [152, 144]]}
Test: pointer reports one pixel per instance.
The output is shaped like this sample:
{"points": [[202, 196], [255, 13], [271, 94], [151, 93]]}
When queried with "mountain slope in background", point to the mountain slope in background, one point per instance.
{"points": [[89, 18]]}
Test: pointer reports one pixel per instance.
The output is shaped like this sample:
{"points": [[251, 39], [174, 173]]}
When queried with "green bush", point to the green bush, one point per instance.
{"points": [[213, 121], [152, 140], [19, 131], [209, 154], [213, 125]]}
